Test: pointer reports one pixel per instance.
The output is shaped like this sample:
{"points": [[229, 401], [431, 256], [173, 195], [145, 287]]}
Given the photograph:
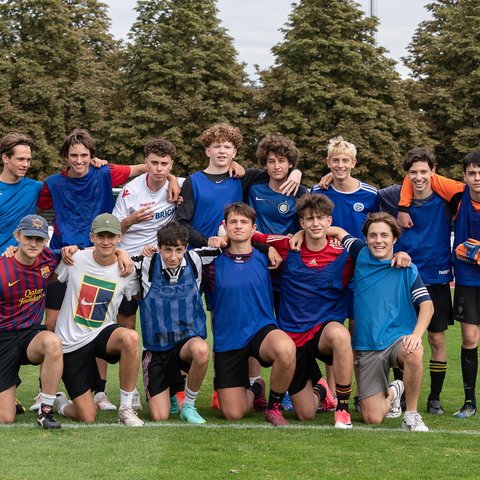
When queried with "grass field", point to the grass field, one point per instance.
{"points": [[250, 448]]}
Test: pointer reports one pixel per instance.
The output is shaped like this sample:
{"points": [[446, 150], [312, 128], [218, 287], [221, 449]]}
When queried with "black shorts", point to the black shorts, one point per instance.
{"points": [[231, 368], [307, 367], [442, 302], [128, 307], [13, 354], [80, 371], [466, 304], [55, 295], [163, 369]]}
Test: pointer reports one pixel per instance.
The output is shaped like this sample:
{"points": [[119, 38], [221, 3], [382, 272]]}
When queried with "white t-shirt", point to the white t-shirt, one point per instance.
{"points": [[134, 196], [92, 299]]}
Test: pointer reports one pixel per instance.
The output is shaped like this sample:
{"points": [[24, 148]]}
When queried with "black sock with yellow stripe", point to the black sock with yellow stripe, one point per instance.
{"points": [[438, 370]]}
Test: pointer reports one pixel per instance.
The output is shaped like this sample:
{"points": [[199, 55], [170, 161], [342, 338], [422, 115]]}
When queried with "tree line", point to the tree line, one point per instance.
{"points": [[178, 74]]}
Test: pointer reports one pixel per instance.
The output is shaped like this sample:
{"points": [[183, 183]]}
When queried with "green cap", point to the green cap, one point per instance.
{"points": [[106, 222]]}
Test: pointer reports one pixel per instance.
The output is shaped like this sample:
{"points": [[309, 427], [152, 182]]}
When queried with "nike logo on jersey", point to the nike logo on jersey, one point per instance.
{"points": [[264, 199], [125, 193], [12, 284], [220, 181], [312, 262], [87, 304]]}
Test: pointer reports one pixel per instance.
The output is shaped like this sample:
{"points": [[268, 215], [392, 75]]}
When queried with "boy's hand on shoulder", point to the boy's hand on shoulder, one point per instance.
{"points": [[297, 240], [124, 262], [404, 220], [67, 253], [10, 252], [217, 242], [325, 181], [274, 258], [401, 260], [236, 170], [97, 162], [148, 251]]}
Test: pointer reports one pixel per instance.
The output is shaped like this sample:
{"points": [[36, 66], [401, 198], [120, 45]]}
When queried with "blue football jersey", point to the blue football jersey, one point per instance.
{"points": [[351, 208]]}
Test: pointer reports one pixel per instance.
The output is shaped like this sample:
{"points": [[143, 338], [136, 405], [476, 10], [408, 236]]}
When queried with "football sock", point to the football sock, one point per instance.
{"points": [[275, 399], [438, 370], [469, 359], [125, 398], [397, 374], [321, 392], [252, 379], [190, 397], [343, 393], [100, 387], [47, 399], [256, 388]]}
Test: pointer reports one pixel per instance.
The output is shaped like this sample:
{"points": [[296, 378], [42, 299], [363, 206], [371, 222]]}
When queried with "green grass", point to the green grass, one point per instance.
{"points": [[249, 448]]}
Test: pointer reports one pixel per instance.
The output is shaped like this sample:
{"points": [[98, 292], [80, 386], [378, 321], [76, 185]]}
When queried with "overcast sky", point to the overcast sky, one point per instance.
{"points": [[254, 25]]}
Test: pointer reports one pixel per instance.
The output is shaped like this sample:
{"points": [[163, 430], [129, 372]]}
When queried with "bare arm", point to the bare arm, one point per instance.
{"points": [[414, 341]]}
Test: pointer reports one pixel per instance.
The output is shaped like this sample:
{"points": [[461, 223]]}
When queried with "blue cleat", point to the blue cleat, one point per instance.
{"points": [[189, 414], [286, 405], [468, 410]]}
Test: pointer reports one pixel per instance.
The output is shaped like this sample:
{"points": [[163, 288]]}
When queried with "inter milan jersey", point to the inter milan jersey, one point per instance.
{"points": [[22, 290]]}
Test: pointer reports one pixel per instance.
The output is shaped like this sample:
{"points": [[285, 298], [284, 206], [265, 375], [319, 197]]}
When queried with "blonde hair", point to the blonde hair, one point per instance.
{"points": [[338, 145]]}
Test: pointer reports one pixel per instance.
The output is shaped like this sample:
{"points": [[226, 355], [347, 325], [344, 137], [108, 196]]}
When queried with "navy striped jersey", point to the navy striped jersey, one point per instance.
{"points": [[22, 290]]}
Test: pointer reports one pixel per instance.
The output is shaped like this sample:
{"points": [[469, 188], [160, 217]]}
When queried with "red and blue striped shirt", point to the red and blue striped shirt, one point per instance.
{"points": [[22, 290]]}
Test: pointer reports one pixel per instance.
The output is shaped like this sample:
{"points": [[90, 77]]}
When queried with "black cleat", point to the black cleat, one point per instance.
{"points": [[45, 417], [434, 407], [19, 408]]}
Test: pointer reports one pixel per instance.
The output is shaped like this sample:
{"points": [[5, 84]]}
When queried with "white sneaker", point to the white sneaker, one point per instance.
{"points": [[136, 403], [395, 408], [102, 402], [61, 400], [127, 416], [36, 406], [414, 423]]}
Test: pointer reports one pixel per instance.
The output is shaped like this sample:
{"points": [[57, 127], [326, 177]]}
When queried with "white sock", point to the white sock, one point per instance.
{"points": [[61, 409], [125, 398], [190, 397], [47, 399], [252, 380]]}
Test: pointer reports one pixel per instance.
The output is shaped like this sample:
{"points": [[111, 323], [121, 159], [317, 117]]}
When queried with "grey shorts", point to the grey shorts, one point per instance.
{"points": [[374, 369]]}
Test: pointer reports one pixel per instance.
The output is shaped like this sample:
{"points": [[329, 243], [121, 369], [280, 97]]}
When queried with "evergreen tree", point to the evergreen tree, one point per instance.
{"points": [[330, 78], [445, 61], [57, 68], [180, 77]]}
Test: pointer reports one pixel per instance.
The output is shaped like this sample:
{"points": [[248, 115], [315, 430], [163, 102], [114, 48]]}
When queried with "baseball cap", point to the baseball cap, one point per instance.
{"points": [[106, 222], [34, 226]]}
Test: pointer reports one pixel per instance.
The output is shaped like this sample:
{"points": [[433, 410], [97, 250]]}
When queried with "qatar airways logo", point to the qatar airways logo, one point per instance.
{"points": [[147, 204]]}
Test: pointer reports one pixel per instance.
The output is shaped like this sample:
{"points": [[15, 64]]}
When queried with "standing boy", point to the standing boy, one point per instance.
{"points": [[428, 243]]}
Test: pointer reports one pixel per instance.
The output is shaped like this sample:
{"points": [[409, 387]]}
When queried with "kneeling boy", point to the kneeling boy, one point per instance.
{"points": [[244, 324], [387, 332], [173, 322]]}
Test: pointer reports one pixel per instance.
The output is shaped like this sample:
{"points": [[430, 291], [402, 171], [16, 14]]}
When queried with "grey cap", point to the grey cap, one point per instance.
{"points": [[106, 222], [34, 226]]}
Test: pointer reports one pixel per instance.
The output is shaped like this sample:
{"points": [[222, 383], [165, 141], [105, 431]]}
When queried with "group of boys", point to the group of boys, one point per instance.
{"points": [[260, 317]]}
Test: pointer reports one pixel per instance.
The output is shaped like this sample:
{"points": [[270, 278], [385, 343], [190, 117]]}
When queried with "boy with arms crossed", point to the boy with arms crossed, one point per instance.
{"points": [[239, 281], [173, 322], [86, 325], [465, 202], [428, 243], [23, 340], [387, 332]]}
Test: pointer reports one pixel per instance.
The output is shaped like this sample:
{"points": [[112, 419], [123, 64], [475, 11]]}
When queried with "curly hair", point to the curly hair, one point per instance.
{"points": [[222, 132], [160, 147], [317, 204], [279, 146], [172, 235], [338, 145]]}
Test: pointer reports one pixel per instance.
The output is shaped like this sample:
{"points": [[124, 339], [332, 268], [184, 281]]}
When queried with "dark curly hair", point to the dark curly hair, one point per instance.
{"points": [[278, 145], [317, 204], [160, 147]]}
